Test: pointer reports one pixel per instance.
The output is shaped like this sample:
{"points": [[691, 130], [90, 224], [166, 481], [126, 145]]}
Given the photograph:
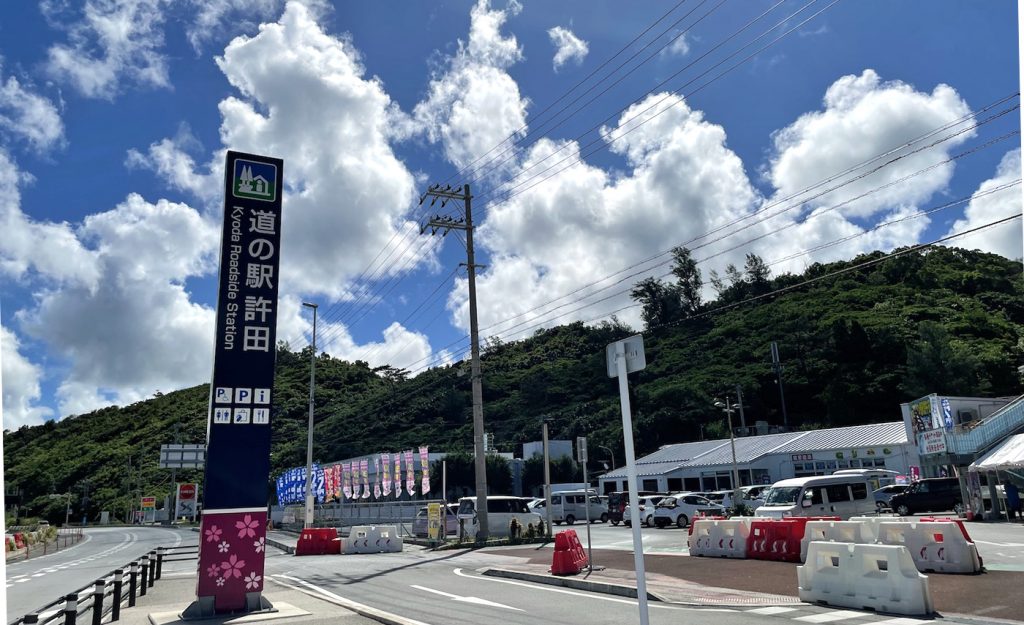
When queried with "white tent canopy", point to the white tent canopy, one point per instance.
{"points": [[1007, 455]]}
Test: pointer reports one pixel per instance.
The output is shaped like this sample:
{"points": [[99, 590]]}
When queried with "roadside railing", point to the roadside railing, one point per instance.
{"points": [[107, 595], [67, 536]]}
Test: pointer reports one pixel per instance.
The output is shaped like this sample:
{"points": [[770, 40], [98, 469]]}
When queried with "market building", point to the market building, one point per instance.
{"points": [[768, 458]]}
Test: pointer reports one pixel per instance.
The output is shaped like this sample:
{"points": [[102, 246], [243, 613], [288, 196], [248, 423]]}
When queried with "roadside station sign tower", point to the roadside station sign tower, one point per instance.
{"points": [[234, 520]]}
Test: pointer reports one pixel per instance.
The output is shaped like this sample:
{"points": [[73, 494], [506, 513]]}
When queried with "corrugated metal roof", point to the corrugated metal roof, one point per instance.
{"points": [[750, 448], [893, 433]]}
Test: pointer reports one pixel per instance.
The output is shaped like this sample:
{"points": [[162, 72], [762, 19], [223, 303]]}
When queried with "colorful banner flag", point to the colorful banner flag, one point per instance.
{"points": [[376, 477], [364, 467], [424, 470], [385, 461], [410, 474], [329, 484], [337, 482], [346, 480], [398, 475]]}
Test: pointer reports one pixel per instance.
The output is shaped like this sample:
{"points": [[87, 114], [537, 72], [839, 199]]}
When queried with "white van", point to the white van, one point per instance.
{"points": [[843, 496], [571, 506], [500, 512], [877, 478]]}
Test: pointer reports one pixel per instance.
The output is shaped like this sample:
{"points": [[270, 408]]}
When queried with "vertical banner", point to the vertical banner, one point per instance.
{"points": [[337, 482], [234, 518], [398, 475], [410, 474], [355, 480], [346, 480], [376, 477], [364, 468], [424, 470], [385, 461], [328, 484]]}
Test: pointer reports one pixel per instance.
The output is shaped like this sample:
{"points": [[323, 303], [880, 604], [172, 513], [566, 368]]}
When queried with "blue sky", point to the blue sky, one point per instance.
{"points": [[115, 114]]}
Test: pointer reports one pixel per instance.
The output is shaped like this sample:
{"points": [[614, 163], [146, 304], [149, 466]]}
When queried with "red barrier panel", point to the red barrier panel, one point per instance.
{"points": [[959, 523], [315, 541], [19, 540], [779, 539], [569, 557]]}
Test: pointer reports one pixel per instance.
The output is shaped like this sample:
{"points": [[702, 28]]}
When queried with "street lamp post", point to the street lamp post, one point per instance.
{"points": [[728, 407], [309, 433], [610, 454]]}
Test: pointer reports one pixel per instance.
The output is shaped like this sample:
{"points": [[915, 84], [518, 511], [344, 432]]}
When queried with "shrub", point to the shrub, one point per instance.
{"points": [[531, 532], [515, 529]]}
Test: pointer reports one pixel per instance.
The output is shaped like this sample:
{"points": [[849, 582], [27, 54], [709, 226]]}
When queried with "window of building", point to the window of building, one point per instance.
{"points": [[609, 487], [691, 483], [675, 484], [651, 485]]}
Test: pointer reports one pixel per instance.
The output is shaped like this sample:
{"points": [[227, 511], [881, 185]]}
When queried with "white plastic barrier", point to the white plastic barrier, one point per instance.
{"points": [[834, 531], [939, 547], [871, 524], [875, 577], [723, 538], [372, 539]]}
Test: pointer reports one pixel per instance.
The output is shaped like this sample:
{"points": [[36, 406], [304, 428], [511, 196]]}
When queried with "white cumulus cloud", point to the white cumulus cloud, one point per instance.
{"points": [[473, 104], [26, 115], [568, 47], [19, 379], [995, 199], [109, 41]]}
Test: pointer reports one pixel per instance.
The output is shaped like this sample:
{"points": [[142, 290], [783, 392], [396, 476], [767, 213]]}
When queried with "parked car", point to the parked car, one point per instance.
{"points": [[451, 521], [572, 506], [843, 496], [884, 494], [617, 503], [681, 508], [501, 509], [647, 505], [936, 494]]}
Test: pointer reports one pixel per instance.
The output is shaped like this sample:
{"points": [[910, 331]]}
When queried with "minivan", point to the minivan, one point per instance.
{"points": [[500, 512], [571, 506], [843, 496], [936, 494]]}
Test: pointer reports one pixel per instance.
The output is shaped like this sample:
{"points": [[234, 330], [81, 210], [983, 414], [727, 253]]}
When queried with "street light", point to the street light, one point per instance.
{"points": [[309, 433], [610, 454], [728, 407]]}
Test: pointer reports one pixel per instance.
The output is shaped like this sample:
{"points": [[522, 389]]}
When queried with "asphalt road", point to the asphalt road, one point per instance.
{"points": [[36, 582]]}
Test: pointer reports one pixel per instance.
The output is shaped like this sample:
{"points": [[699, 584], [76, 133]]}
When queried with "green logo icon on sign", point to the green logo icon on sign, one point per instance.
{"points": [[254, 181]]}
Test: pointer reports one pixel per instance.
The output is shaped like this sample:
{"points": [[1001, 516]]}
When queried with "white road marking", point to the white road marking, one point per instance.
{"points": [[985, 542], [901, 621], [828, 617], [476, 600], [343, 602], [589, 595], [774, 609]]}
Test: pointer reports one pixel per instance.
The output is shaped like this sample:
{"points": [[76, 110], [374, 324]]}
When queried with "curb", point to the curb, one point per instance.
{"points": [[280, 545], [607, 588]]}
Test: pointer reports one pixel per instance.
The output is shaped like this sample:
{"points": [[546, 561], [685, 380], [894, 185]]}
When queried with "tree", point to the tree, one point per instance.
{"points": [[757, 273], [660, 301], [936, 364], [689, 282], [717, 283]]}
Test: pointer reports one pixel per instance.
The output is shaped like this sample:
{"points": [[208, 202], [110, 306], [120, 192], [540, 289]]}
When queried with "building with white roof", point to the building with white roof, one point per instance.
{"points": [[765, 459]]}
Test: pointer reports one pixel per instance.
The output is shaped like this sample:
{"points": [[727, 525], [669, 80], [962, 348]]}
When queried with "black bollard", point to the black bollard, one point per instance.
{"points": [[159, 562], [70, 609], [132, 573], [152, 568], [115, 609], [97, 601], [144, 580]]}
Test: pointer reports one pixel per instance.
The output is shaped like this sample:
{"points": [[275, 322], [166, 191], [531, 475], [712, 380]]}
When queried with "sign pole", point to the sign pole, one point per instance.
{"points": [[234, 520], [617, 355], [581, 452]]}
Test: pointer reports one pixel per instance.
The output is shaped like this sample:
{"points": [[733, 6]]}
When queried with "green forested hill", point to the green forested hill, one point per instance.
{"points": [[854, 346]]}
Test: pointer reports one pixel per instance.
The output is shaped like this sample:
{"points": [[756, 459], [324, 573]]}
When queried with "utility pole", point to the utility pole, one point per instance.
{"points": [[309, 432], [777, 367], [547, 476], [743, 417], [728, 407], [446, 224]]}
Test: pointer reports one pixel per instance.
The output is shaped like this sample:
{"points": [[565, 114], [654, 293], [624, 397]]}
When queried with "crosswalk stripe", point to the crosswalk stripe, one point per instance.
{"points": [[828, 617], [774, 609], [901, 621]]}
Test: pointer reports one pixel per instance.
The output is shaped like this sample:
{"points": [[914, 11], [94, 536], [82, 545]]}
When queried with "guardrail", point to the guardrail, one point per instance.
{"points": [[123, 586], [69, 536]]}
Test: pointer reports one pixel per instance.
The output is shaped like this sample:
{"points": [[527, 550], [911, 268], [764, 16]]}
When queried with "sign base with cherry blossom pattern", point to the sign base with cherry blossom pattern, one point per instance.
{"points": [[238, 539]]}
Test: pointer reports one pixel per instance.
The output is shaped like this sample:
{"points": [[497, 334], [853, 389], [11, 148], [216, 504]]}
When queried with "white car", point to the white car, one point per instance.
{"points": [[647, 505], [681, 508]]}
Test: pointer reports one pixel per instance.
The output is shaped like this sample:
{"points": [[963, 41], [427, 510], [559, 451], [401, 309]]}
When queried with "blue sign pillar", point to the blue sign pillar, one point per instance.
{"points": [[234, 519]]}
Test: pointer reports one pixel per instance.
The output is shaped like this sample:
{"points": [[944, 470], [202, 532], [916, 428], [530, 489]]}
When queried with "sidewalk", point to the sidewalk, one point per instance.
{"points": [[169, 596], [720, 581]]}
